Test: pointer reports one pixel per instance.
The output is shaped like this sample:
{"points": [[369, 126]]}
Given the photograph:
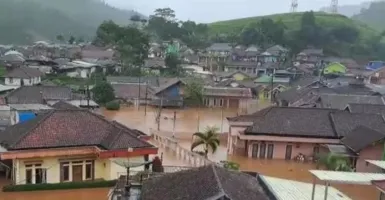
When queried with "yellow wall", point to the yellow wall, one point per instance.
{"points": [[239, 76], [104, 168]]}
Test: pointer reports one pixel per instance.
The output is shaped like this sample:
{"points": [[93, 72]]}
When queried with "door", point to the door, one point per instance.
{"points": [[77, 173], [270, 151], [288, 152], [255, 151], [262, 150]]}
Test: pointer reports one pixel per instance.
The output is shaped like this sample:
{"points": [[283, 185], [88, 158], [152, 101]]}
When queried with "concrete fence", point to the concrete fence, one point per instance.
{"points": [[171, 144]]}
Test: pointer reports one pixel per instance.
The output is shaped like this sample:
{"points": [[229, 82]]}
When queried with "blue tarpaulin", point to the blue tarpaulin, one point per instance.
{"points": [[25, 116]]}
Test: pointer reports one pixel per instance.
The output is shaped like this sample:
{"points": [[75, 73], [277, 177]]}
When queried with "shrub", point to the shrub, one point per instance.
{"points": [[59, 186], [230, 165], [113, 105]]}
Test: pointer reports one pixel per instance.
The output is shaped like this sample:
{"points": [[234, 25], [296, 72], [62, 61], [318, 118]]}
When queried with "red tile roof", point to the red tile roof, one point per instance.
{"points": [[71, 128]]}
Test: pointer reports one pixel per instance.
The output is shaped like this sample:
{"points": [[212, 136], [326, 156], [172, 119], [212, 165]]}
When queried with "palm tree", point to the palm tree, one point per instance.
{"points": [[208, 139]]}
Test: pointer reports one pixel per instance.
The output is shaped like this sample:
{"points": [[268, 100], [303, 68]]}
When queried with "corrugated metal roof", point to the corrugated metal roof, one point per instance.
{"points": [[29, 107], [347, 177], [378, 163], [284, 189]]}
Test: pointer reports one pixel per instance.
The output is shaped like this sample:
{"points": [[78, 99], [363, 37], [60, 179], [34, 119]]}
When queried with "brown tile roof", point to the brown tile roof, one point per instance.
{"points": [[204, 183], [227, 92], [340, 101], [38, 94], [251, 117], [366, 108], [62, 105], [70, 128], [167, 84], [345, 122], [309, 122], [24, 72], [361, 137], [293, 121], [131, 91]]}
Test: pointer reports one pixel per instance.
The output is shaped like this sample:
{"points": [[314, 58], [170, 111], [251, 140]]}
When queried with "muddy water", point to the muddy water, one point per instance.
{"points": [[187, 120], [186, 124]]}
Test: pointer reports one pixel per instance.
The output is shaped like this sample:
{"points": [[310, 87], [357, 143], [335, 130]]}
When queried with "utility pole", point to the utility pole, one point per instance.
{"points": [[272, 86], [139, 91], [173, 126], [159, 112], [88, 96], [222, 119], [145, 105]]}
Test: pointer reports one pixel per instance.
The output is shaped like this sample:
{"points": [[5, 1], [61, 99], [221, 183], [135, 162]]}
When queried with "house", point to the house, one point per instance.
{"points": [[303, 133], [234, 75], [133, 93], [78, 68], [366, 108], [23, 76], [310, 54], [373, 65], [277, 51], [334, 69], [97, 53], [38, 94], [204, 183], [213, 182], [220, 49], [155, 91], [264, 92], [340, 101], [307, 96], [243, 66], [12, 59], [71, 146], [376, 76], [169, 93], [227, 97]]}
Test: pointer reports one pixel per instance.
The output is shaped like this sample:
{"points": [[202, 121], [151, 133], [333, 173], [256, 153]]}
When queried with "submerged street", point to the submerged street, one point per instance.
{"points": [[185, 126]]}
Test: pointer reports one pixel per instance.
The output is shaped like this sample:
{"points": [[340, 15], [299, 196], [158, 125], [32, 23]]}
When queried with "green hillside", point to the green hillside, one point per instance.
{"points": [[374, 15], [26, 21], [292, 22]]}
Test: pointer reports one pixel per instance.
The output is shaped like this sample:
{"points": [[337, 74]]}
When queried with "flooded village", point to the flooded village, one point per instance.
{"points": [[157, 110]]}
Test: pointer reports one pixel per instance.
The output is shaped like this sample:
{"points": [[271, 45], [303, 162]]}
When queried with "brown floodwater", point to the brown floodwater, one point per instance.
{"points": [[187, 120], [186, 125]]}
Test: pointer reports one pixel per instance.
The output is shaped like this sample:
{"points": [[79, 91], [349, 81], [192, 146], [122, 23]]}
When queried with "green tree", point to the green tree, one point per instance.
{"points": [[194, 92], [103, 93], [335, 162], [173, 64], [208, 139], [71, 40], [60, 38], [131, 43]]}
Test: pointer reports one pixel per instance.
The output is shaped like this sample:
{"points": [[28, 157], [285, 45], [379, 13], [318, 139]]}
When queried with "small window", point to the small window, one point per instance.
{"points": [[28, 176], [215, 102], [10, 80], [266, 94]]}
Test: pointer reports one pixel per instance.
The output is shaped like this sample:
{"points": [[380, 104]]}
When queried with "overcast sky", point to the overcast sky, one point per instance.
{"points": [[215, 10]]}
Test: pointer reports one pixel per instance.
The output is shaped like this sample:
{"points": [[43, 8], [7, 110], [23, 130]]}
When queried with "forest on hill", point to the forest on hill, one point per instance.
{"points": [[25, 21]]}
